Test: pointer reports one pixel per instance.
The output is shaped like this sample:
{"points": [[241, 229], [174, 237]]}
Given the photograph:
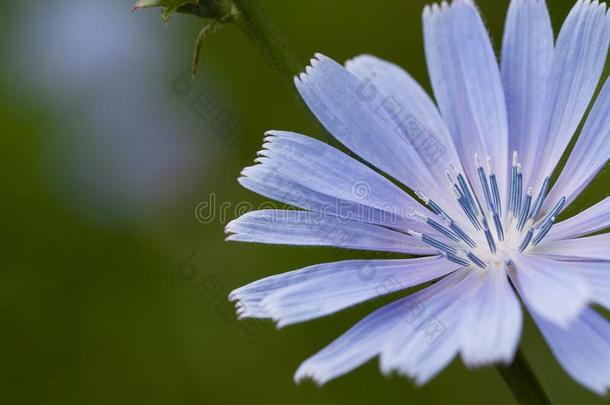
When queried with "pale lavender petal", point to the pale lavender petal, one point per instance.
{"points": [[591, 248], [598, 277], [407, 317], [323, 289], [491, 321], [594, 219], [401, 99], [305, 228], [527, 55], [311, 175], [551, 289], [431, 338], [339, 101], [582, 349], [481, 319], [467, 85], [590, 154], [580, 55]]}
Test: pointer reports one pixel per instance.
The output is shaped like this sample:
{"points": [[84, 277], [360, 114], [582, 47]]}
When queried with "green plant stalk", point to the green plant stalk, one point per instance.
{"points": [[522, 382], [252, 18]]}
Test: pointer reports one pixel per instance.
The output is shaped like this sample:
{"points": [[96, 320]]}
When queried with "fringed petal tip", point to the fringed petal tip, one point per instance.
{"points": [[255, 300], [502, 360], [307, 372], [418, 378], [421, 378], [352, 61], [259, 310], [270, 139], [232, 229], [235, 295], [238, 225], [311, 68], [431, 10]]}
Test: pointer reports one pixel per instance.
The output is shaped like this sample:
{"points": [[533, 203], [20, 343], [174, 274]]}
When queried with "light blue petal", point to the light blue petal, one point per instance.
{"points": [[339, 101], [527, 55], [311, 175], [598, 276], [405, 319], [305, 228], [580, 56], [401, 99], [594, 219], [590, 154], [481, 318], [323, 289], [590, 248], [582, 349], [492, 321], [551, 289], [419, 335], [428, 337], [466, 81], [477, 314]]}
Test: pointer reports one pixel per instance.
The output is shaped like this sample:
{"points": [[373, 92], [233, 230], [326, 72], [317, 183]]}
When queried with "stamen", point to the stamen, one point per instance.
{"points": [[554, 212], [454, 187], [495, 191], [468, 211], [458, 231], [433, 242], [526, 240], [464, 189], [545, 224], [457, 259], [490, 166], [422, 196], [484, 184], [438, 244], [513, 184], [490, 239], [451, 180], [525, 209], [468, 193], [437, 227], [433, 206], [540, 199], [498, 224], [519, 190], [476, 260], [543, 230], [522, 213]]}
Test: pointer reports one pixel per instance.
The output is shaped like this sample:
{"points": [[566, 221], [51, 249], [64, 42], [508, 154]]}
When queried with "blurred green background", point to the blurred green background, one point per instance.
{"points": [[112, 290]]}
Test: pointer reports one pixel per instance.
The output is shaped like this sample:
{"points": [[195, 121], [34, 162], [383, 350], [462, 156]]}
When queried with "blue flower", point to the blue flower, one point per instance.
{"points": [[480, 162]]}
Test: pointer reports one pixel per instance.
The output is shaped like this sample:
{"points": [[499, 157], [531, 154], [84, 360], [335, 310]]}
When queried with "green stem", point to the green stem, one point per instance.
{"points": [[522, 382], [252, 18]]}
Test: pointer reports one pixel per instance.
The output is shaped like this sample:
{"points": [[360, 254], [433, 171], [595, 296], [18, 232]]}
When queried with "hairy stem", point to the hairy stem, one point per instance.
{"points": [[522, 382]]}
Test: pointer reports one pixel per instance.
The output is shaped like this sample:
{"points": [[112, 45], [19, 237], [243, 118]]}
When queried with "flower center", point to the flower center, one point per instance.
{"points": [[486, 235]]}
